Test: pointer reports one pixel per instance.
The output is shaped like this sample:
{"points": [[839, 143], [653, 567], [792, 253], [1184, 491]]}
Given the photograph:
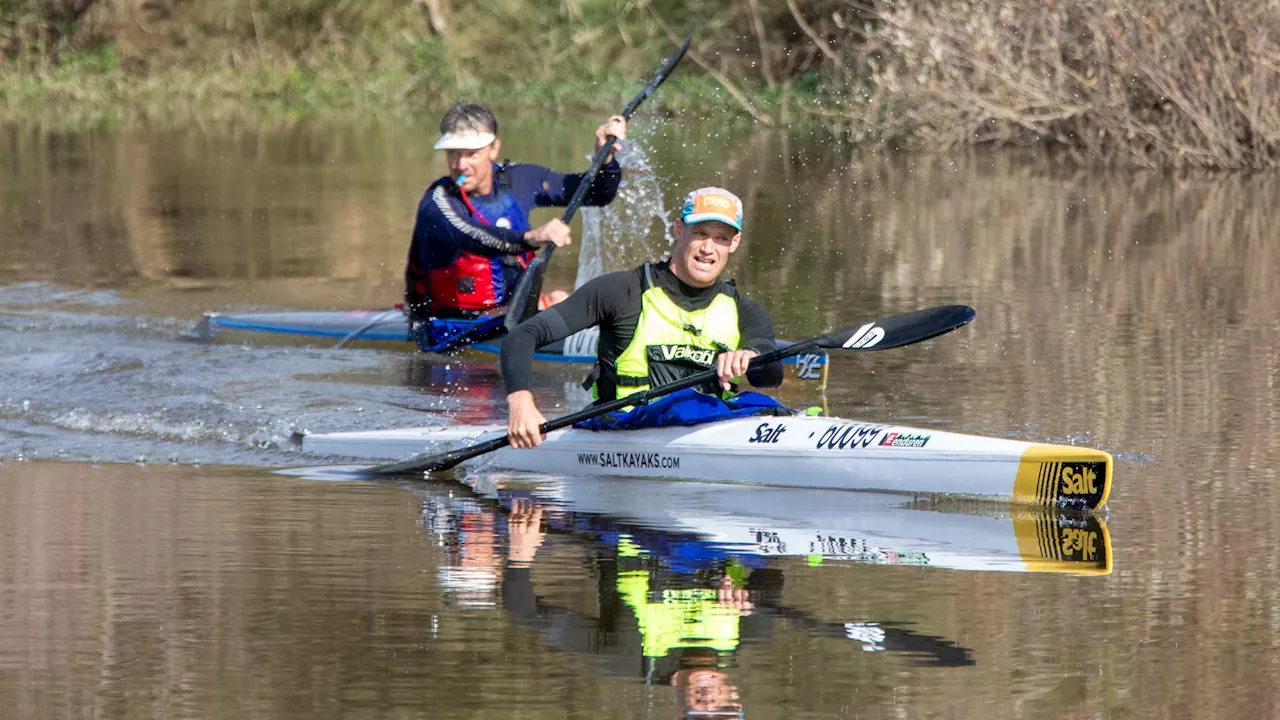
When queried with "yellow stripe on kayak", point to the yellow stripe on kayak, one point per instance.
{"points": [[1062, 475], [1050, 541]]}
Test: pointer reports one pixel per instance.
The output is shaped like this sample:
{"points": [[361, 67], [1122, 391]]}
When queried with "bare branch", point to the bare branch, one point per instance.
{"points": [[757, 26], [813, 34], [760, 116]]}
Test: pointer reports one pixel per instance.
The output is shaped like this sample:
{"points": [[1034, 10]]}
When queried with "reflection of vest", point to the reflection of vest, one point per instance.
{"points": [[670, 342], [678, 618], [475, 282]]}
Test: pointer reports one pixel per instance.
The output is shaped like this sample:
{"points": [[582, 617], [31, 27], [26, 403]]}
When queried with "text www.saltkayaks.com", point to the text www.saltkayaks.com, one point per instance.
{"points": [[629, 460]]}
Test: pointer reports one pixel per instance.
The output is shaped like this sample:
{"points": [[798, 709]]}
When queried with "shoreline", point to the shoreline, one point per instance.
{"points": [[86, 91]]}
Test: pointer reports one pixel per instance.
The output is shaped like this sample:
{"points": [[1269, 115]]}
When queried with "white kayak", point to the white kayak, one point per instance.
{"points": [[797, 451], [823, 526]]}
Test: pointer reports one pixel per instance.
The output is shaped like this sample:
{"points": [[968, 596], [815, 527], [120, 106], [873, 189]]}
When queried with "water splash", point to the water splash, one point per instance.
{"points": [[631, 229]]}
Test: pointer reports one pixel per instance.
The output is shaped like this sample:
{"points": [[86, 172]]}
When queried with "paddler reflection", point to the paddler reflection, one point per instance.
{"points": [[468, 533], [462, 391], [671, 609]]}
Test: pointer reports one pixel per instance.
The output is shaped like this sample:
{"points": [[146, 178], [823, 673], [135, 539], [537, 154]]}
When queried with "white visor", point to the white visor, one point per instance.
{"points": [[464, 141]]}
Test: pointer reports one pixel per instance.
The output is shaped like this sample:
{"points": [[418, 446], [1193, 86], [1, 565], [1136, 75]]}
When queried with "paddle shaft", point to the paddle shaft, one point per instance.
{"points": [[598, 161], [583, 187], [385, 315], [529, 288]]}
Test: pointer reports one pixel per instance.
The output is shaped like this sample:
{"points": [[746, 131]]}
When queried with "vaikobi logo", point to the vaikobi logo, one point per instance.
{"points": [[867, 336], [869, 634], [809, 366], [583, 342], [668, 353]]}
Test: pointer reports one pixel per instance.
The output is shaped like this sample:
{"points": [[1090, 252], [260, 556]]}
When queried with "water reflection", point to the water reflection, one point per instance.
{"points": [[824, 526], [673, 607], [473, 389]]}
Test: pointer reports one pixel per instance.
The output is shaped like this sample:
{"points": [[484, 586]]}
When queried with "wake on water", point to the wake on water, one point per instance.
{"points": [[89, 376], [86, 375]]}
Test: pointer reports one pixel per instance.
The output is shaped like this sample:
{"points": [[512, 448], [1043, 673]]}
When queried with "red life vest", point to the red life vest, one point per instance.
{"points": [[475, 282], [472, 282]]}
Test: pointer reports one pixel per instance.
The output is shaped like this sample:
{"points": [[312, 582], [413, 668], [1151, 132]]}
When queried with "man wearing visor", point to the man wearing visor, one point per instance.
{"points": [[472, 236]]}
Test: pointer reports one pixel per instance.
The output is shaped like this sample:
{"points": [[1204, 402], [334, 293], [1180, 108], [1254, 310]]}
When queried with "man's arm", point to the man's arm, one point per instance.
{"points": [[755, 327], [558, 188], [443, 220], [603, 190], [589, 305]]}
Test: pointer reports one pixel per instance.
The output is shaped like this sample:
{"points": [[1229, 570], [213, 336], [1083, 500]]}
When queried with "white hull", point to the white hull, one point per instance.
{"points": [[823, 526], [802, 452]]}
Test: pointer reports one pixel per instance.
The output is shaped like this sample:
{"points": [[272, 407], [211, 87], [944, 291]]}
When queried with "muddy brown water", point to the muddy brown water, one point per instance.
{"points": [[156, 566]]}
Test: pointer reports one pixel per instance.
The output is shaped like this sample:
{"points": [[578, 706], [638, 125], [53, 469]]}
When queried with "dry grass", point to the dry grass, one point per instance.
{"points": [[1148, 82], [1142, 82]]}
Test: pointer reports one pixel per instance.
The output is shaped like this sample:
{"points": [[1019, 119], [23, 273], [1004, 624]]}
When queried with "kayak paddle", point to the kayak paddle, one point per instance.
{"points": [[882, 334], [524, 298]]}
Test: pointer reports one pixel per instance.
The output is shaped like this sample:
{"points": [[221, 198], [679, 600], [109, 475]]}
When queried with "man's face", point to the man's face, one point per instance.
{"points": [[702, 251], [707, 693], [477, 165]]}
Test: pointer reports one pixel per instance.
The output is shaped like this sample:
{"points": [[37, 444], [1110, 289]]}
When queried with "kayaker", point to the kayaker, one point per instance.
{"points": [[472, 236], [658, 323]]}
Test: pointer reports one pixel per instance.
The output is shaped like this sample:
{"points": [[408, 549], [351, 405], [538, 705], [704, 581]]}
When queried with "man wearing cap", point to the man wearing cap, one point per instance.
{"points": [[472, 236], [658, 323]]}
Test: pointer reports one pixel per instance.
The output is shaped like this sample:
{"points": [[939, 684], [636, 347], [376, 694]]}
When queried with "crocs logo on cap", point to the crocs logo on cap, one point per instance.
{"points": [[712, 204], [703, 203]]}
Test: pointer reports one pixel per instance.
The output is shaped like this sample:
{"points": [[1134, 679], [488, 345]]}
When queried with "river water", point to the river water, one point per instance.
{"points": [[156, 564]]}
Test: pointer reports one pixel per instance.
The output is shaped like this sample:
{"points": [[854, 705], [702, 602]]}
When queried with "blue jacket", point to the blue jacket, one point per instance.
{"points": [[445, 228]]}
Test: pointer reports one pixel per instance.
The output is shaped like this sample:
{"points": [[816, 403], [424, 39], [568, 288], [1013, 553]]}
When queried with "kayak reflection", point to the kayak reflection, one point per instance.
{"points": [[673, 606], [832, 526]]}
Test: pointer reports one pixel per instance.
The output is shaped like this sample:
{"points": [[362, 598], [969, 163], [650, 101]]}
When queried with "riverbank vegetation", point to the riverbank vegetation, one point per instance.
{"points": [[1145, 82]]}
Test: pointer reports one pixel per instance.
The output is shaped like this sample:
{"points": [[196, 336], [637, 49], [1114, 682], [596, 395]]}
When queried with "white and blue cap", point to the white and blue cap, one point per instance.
{"points": [[712, 203]]}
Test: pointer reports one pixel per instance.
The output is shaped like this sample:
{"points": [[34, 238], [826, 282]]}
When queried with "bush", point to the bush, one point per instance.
{"points": [[1151, 82]]}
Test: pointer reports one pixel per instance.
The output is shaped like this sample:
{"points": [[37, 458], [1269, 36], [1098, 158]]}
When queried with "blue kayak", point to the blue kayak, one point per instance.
{"points": [[444, 335]]}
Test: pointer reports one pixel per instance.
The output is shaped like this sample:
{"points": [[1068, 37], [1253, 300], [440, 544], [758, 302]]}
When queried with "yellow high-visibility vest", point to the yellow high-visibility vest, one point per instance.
{"points": [[672, 343]]}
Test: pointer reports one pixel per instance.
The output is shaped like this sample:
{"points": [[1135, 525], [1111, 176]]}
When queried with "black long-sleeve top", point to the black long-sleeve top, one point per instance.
{"points": [[612, 301]]}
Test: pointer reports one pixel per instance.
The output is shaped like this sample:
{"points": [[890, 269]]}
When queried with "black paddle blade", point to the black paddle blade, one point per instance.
{"points": [[524, 299], [898, 330], [421, 464], [434, 462], [663, 73]]}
